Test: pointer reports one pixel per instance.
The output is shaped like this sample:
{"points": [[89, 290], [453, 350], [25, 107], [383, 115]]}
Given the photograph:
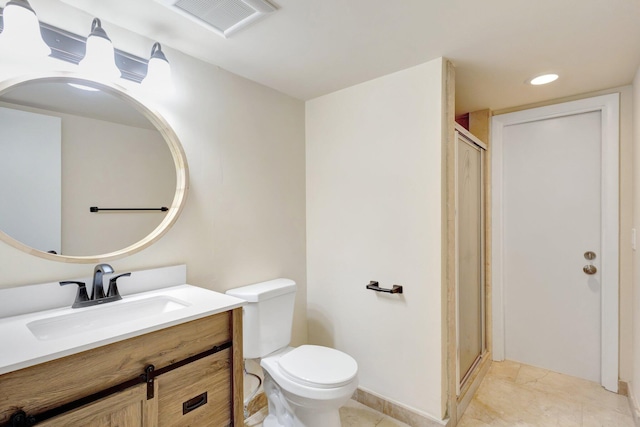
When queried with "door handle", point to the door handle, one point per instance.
{"points": [[589, 268]]}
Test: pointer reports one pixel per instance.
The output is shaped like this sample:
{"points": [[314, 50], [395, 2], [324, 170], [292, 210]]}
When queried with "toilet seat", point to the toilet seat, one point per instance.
{"points": [[313, 387], [319, 367]]}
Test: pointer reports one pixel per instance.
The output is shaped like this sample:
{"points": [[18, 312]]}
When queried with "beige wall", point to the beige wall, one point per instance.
{"points": [[244, 219], [136, 170], [635, 379], [626, 216], [374, 197]]}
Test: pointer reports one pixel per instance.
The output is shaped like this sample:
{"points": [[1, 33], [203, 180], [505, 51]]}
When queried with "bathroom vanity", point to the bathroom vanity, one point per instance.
{"points": [[178, 364], [166, 354]]}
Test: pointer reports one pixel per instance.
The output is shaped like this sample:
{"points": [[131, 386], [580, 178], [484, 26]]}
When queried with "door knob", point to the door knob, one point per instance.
{"points": [[590, 269]]}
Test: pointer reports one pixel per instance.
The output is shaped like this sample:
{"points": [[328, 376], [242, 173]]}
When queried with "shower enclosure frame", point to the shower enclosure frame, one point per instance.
{"points": [[463, 374]]}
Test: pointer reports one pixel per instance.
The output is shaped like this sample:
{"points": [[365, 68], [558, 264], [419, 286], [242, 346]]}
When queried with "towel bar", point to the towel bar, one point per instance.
{"points": [[375, 286]]}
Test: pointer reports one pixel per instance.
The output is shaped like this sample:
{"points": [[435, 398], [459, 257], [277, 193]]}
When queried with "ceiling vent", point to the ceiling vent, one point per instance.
{"points": [[224, 17]]}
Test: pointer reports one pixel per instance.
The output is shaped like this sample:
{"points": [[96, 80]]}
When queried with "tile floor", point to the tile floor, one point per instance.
{"points": [[353, 414], [516, 395]]}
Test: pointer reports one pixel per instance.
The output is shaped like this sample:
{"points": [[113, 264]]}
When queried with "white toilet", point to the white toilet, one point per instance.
{"points": [[305, 386]]}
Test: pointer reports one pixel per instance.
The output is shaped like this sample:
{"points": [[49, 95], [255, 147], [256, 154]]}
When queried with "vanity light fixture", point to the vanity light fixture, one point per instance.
{"points": [[158, 70], [543, 79], [21, 37], [24, 39], [99, 59]]}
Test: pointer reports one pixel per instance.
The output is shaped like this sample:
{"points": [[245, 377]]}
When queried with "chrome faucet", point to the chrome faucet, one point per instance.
{"points": [[98, 286], [97, 295]]}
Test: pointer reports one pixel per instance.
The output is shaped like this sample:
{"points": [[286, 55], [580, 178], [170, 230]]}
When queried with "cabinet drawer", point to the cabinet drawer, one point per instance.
{"points": [[198, 394]]}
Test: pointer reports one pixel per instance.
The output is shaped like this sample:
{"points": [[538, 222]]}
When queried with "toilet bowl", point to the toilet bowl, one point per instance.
{"points": [[305, 386]]}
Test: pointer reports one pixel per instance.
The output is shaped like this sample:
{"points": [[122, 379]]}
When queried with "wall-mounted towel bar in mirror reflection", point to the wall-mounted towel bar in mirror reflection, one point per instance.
{"points": [[375, 286], [97, 209]]}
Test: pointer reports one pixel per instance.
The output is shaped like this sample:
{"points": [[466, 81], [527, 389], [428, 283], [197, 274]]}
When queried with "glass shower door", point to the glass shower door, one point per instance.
{"points": [[470, 256]]}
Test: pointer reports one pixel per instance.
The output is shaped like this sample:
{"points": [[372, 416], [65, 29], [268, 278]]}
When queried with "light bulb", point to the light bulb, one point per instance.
{"points": [[21, 38], [99, 59], [158, 76]]}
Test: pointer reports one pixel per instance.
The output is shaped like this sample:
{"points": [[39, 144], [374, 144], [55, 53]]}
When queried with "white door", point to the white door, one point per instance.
{"points": [[30, 173], [552, 215]]}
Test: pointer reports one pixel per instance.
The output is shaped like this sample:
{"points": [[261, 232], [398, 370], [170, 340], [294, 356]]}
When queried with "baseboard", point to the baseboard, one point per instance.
{"points": [[396, 411], [259, 404], [623, 388], [633, 405], [256, 404]]}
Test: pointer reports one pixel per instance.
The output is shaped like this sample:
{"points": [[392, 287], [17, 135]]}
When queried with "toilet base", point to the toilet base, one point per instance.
{"points": [[284, 412]]}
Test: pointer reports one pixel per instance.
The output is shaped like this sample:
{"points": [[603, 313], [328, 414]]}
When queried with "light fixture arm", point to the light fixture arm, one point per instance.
{"points": [[21, 3], [156, 52], [97, 30]]}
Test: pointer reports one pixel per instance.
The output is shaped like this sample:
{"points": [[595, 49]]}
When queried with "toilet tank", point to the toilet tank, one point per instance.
{"points": [[268, 316]]}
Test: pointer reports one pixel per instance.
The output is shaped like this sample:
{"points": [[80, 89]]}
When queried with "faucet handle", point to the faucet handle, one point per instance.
{"points": [[113, 285], [81, 294]]}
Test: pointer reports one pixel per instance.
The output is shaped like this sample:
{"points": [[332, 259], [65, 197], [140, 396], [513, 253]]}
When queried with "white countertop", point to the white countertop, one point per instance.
{"points": [[21, 348]]}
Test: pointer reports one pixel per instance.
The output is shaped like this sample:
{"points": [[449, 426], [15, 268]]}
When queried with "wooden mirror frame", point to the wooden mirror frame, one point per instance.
{"points": [[170, 137]]}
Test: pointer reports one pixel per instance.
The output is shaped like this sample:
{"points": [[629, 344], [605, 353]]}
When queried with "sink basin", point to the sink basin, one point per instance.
{"points": [[103, 316]]}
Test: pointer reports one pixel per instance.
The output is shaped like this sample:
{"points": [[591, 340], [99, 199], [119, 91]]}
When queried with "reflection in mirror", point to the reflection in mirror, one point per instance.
{"points": [[65, 149]]}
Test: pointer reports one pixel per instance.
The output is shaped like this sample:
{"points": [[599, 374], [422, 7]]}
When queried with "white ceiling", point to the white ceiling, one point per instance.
{"points": [[62, 98], [310, 48]]}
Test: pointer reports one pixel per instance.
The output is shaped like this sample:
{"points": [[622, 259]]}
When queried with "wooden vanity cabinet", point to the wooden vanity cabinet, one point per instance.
{"points": [[129, 408], [199, 381]]}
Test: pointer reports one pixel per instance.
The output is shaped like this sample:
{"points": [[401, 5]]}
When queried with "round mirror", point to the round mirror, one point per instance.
{"points": [[88, 172]]}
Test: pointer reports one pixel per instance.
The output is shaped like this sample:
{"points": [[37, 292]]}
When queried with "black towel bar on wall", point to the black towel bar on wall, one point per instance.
{"points": [[97, 209], [375, 286]]}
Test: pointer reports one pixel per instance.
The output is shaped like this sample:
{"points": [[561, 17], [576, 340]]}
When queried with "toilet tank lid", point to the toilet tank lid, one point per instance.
{"points": [[263, 290]]}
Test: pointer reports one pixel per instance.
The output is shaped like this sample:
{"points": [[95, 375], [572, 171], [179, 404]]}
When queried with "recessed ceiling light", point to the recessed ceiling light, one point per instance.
{"points": [[544, 79]]}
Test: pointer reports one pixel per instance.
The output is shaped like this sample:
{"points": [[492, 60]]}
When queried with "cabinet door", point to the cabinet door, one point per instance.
{"points": [[197, 394], [128, 408]]}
